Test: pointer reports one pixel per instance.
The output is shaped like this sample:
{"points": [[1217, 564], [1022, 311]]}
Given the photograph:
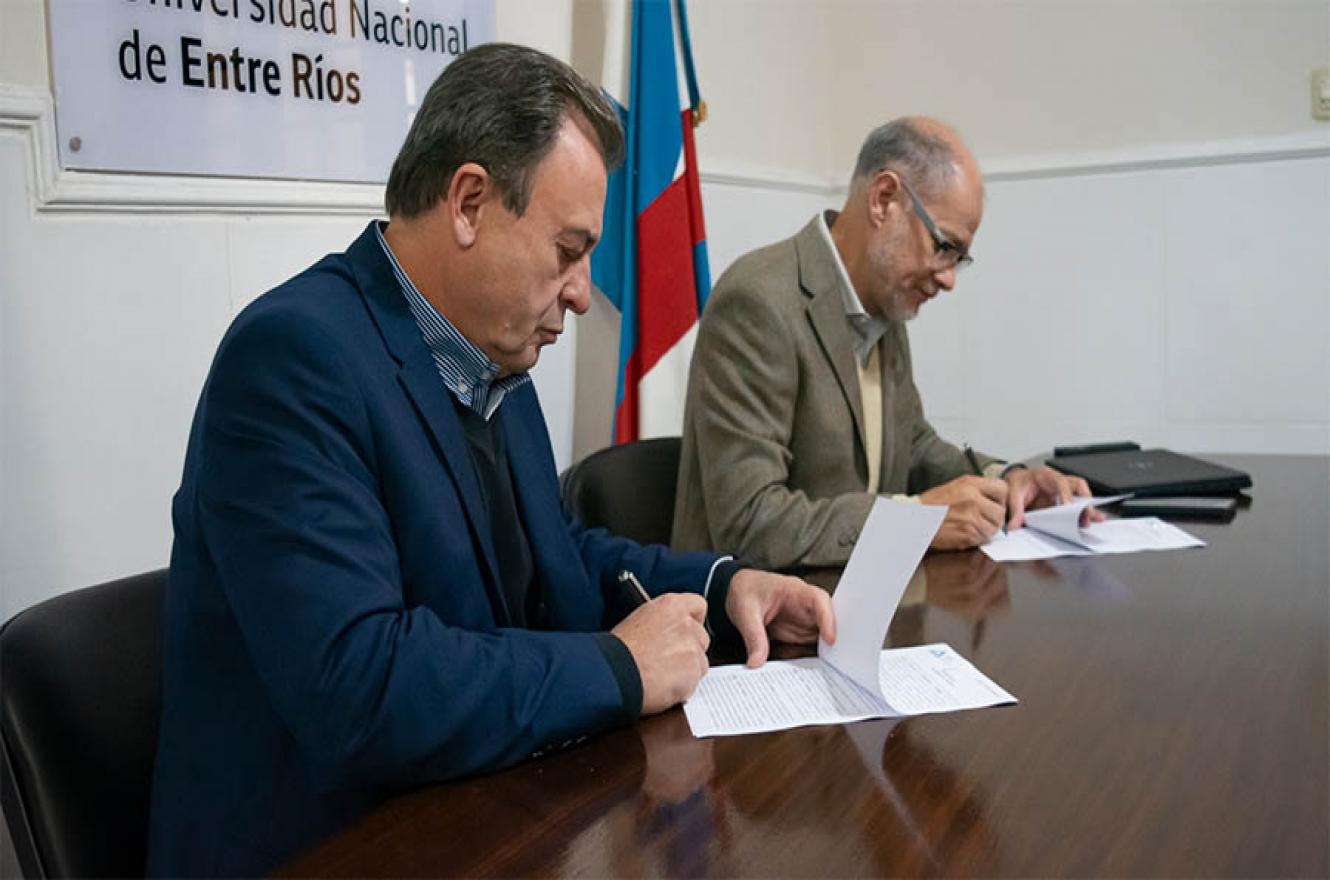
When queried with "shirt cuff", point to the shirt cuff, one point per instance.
{"points": [[716, 591], [711, 576], [625, 672]]}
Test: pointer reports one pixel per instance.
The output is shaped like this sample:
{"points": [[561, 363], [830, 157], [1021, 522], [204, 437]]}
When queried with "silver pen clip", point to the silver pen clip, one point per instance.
{"points": [[630, 579]]}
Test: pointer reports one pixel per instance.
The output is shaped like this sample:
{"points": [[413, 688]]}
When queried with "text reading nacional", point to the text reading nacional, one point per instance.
{"points": [[389, 23], [228, 65]]}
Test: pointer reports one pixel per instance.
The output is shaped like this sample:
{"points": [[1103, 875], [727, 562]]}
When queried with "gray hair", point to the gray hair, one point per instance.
{"points": [[925, 160], [500, 106]]}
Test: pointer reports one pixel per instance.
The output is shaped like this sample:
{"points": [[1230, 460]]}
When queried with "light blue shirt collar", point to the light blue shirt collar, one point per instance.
{"points": [[467, 372]]}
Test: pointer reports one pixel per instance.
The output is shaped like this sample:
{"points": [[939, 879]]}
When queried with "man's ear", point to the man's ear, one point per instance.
{"points": [[469, 192], [881, 193]]}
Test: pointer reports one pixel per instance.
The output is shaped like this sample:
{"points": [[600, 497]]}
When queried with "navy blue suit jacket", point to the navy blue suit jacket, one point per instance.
{"points": [[335, 629]]}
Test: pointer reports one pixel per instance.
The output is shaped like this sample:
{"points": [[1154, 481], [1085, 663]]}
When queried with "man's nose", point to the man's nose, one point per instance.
{"points": [[577, 292], [945, 278]]}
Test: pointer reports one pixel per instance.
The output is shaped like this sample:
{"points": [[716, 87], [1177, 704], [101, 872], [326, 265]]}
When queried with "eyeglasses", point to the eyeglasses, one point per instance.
{"points": [[946, 253]]}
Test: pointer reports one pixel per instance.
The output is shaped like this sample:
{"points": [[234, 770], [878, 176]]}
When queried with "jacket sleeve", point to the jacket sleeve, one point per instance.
{"points": [[373, 691], [660, 569], [743, 386]]}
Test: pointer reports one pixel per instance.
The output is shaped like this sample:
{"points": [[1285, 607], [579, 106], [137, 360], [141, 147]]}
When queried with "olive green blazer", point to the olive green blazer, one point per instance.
{"points": [[773, 466]]}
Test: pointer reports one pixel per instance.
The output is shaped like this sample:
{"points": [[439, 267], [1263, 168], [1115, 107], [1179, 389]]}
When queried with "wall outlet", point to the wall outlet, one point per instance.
{"points": [[1321, 94]]}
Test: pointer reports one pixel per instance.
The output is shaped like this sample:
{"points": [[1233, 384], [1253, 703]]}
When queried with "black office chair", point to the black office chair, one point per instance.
{"points": [[80, 700], [628, 489]]}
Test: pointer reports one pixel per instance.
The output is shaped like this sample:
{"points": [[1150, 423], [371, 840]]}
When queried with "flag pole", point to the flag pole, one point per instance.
{"points": [[695, 102]]}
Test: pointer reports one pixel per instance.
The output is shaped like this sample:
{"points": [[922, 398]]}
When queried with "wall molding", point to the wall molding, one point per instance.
{"points": [[1047, 166], [30, 112], [1161, 158], [771, 180]]}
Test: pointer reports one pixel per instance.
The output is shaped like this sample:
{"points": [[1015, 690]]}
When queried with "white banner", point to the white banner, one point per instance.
{"points": [[307, 89]]}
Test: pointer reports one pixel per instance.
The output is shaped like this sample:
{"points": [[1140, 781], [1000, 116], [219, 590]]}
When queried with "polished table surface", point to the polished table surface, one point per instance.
{"points": [[1172, 722]]}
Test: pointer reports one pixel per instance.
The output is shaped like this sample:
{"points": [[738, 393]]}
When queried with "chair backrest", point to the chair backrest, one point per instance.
{"points": [[628, 489], [80, 701]]}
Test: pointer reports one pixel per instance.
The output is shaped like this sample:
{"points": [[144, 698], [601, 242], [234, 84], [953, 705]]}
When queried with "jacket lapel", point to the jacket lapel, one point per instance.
{"points": [[826, 313], [574, 601], [419, 377]]}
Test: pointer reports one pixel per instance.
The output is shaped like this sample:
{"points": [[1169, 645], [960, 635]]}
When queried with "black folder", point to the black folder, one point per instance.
{"points": [[1152, 472]]}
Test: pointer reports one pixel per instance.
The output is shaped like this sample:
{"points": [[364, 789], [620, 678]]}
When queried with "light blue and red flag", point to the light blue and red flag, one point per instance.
{"points": [[652, 258]]}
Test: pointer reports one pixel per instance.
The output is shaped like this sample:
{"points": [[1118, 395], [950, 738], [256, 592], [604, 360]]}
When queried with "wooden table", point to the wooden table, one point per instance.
{"points": [[1172, 722]]}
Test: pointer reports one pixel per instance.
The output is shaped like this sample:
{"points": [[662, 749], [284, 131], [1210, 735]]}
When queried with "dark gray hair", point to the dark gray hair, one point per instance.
{"points": [[500, 106], [926, 161]]}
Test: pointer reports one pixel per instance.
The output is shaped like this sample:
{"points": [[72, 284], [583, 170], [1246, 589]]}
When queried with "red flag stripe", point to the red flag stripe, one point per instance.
{"points": [[694, 185], [667, 294], [625, 417]]}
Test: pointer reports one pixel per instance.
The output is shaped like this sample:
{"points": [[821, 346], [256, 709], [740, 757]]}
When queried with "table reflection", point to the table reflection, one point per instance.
{"points": [[881, 800], [677, 824], [966, 584], [969, 585]]}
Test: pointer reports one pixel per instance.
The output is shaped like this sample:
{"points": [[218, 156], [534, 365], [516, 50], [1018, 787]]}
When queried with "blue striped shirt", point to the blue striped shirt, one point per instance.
{"points": [[466, 371]]}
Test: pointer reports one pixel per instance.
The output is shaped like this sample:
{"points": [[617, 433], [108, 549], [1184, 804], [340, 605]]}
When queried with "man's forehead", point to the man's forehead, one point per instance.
{"points": [[962, 204], [569, 183]]}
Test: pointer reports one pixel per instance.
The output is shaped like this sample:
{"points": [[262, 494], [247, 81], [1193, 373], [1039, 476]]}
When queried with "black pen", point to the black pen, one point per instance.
{"points": [[979, 472], [636, 591], [974, 461]]}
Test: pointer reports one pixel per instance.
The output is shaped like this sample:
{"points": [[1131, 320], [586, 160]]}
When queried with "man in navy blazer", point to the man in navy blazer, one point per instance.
{"points": [[374, 583]]}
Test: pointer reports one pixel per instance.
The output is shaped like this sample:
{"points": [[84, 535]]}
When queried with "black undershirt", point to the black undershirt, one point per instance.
{"points": [[512, 552]]}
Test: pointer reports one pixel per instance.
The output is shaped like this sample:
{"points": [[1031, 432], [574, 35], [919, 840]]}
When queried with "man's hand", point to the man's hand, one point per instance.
{"points": [[795, 611], [668, 640], [1030, 488], [976, 507]]}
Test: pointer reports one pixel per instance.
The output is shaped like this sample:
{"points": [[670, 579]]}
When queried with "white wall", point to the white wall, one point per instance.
{"points": [[1149, 159], [793, 86], [1153, 262]]}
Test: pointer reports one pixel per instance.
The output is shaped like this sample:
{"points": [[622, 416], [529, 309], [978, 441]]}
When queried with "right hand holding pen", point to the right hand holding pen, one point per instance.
{"points": [[976, 509], [668, 641]]}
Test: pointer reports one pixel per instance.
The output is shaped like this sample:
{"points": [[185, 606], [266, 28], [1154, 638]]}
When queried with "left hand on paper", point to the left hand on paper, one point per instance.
{"points": [[764, 605], [1030, 488]]}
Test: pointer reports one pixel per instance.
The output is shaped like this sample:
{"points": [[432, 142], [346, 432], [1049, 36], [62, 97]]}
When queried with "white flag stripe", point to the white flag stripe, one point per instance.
{"points": [[662, 391]]}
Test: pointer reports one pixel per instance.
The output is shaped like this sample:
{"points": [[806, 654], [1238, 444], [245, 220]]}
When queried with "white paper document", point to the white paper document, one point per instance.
{"points": [[794, 693], [1056, 531], [853, 679], [890, 545], [1064, 520]]}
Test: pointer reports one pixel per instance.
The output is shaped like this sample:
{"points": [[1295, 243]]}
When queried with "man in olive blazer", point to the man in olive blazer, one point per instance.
{"points": [[783, 417]]}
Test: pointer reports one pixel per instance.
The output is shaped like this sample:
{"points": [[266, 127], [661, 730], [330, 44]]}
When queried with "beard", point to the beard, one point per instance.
{"points": [[901, 306], [897, 299]]}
